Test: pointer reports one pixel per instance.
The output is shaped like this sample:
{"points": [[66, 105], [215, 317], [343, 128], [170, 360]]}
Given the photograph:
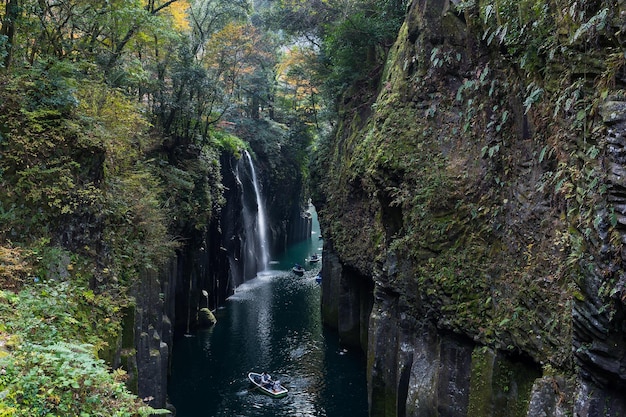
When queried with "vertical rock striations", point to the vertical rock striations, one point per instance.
{"points": [[478, 233]]}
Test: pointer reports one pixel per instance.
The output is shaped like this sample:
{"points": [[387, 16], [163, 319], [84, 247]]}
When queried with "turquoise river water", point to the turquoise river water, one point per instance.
{"points": [[272, 324]]}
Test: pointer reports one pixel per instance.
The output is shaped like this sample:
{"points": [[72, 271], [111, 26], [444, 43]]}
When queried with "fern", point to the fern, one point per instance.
{"points": [[596, 23], [534, 96]]}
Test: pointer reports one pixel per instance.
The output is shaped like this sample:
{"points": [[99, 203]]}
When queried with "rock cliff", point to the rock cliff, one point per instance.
{"points": [[473, 210], [215, 259], [166, 302]]}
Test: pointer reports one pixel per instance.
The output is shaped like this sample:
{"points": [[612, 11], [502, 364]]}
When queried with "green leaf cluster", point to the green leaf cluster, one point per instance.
{"points": [[81, 168], [56, 329], [194, 193], [63, 379], [355, 46], [351, 39]]}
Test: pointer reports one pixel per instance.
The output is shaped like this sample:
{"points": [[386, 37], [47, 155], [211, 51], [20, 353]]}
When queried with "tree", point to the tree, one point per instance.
{"points": [[95, 31], [350, 37], [297, 76], [209, 17], [7, 31], [189, 96], [234, 55]]}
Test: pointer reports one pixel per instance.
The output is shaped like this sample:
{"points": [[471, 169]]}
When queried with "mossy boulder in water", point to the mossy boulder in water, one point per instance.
{"points": [[206, 318]]}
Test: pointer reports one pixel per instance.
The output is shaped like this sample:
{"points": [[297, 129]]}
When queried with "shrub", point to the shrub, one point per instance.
{"points": [[64, 379], [52, 368]]}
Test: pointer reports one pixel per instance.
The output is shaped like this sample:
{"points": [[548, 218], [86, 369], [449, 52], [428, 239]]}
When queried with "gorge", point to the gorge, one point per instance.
{"points": [[468, 175]]}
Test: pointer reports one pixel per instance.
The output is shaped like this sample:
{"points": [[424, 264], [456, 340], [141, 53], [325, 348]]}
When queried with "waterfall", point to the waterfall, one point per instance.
{"points": [[244, 224], [259, 226]]}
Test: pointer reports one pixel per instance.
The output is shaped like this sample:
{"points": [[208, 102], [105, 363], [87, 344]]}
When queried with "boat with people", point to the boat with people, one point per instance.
{"points": [[314, 258], [298, 269], [264, 383]]}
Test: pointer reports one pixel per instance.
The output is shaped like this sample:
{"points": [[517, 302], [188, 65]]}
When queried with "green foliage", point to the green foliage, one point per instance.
{"points": [[3, 49], [194, 193], [525, 29], [534, 95], [135, 222], [596, 23], [355, 36], [83, 167], [64, 379], [351, 47], [58, 327], [53, 87], [41, 155], [56, 311], [228, 143], [356, 45]]}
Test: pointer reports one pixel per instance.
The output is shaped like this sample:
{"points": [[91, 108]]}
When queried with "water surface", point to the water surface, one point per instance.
{"points": [[272, 324]]}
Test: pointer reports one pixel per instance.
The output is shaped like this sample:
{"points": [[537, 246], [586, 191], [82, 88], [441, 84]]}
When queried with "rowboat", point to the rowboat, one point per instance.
{"points": [[271, 388], [314, 258], [298, 270]]}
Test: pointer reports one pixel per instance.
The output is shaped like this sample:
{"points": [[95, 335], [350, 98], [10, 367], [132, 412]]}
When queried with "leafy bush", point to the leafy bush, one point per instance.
{"points": [[64, 379], [194, 192], [355, 46], [13, 267], [57, 311], [229, 143], [352, 46], [53, 368]]}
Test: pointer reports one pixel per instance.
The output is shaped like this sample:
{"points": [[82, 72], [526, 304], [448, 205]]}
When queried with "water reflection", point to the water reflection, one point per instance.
{"points": [[271, 324]]}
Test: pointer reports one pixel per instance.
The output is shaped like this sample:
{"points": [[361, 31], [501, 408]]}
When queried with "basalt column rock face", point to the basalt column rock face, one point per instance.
{"points": [[599, 313], [231, 222], [153, 333], [415, 369], [484, 210], [300, 226], [346, 300]]}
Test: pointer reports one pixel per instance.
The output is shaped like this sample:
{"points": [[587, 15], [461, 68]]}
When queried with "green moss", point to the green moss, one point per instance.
{"points": [[481, 390], [512, 381], [206, 318], [229, 143], [499, 386], [128, 362], [578, 295], [110, 348]]}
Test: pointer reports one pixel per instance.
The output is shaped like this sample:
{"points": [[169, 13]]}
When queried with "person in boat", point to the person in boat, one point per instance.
{"points": [[266, 379], [276, 386]]}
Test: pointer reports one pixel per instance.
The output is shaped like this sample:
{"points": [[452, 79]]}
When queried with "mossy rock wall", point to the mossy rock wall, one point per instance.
{"points": [[482, 195], [500, 386]]}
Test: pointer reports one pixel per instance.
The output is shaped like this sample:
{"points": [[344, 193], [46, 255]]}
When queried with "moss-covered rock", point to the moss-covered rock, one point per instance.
{"points": [[206, 318], [484, 190], [500, 386]]}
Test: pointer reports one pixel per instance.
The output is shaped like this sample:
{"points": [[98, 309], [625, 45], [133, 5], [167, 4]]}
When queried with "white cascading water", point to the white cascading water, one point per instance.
{"points": [[261, 226]]}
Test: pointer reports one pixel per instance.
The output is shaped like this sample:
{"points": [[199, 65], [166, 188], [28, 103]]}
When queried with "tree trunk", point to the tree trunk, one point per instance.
{"points": [[8, 29], [254, 108]]}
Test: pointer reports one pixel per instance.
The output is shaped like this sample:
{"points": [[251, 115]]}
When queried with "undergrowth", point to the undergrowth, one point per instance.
{"points": [[49, 342]]}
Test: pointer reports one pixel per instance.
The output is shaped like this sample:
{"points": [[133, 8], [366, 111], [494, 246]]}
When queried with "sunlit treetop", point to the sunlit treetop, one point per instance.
{"points": [[179, 14]]}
